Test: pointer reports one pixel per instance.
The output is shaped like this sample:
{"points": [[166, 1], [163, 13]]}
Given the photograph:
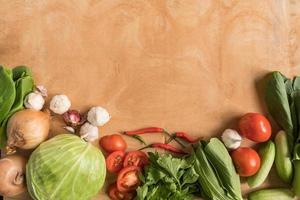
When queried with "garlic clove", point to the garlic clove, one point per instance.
{"points": [[34, 101], [98, 116], [70, 129], [42, 90], [60, 104], [231, 138], [89, 132]]}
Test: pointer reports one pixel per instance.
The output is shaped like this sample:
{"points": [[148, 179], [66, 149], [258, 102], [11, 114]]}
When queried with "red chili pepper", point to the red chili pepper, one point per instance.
{"points": [[167, 147], [145, 130], [186, 137]]}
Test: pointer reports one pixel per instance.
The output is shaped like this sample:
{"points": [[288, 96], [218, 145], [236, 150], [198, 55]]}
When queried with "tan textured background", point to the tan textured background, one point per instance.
{"points": [[191, 65]]}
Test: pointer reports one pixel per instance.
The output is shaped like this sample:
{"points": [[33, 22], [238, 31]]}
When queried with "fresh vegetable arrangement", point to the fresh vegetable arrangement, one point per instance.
{"points": [[68, 166]]}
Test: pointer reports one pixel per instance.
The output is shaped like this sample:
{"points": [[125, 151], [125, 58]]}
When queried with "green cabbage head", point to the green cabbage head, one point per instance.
{"points": [[65, 168]]}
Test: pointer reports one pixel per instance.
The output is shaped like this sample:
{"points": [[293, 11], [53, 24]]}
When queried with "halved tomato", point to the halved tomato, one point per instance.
{"points": [[128, 179], [114, 161], [136, 158], [115, 194]]}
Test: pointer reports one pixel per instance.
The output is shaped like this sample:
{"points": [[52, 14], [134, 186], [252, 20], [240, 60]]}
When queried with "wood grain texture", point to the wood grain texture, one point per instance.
{"points": [[193, 65]]}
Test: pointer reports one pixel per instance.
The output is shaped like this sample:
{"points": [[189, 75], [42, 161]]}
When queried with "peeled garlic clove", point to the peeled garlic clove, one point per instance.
{"points": [[70, 129], [60, 104], [72, 117], [231, 138], [89, 132], [98, 116], [34, 101]]}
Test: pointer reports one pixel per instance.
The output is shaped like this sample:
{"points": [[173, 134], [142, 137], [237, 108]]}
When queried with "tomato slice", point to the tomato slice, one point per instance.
{"points": [[115, 194], [114, 161], [128, 179], [136, 158]]}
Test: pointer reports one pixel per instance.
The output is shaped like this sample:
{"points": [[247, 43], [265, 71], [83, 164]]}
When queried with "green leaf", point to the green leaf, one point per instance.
{"points": [[210, 186], [172, 165], [21, 71], [277, 101], [7, 92], [219, 157], [296, 99], [190, 176], [142, 192]]}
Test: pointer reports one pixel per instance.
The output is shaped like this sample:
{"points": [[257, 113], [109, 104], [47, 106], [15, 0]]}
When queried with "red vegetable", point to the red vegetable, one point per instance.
{"points": [[115, 194], [167, 147], [145, 130], [114, 161], [186, 137], [246, 161], [255, 127], [111, 143], [128, 179], [136, 158]]}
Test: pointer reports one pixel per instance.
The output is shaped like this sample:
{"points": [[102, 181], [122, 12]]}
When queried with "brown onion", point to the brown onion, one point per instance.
{"points": [[12, 175], [26, 129]]}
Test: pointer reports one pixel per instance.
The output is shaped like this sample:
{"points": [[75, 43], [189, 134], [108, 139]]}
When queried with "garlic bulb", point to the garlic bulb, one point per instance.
{"points": [[89, 132], [231, 138], [98, 116], [34, 101], [60, 104]]}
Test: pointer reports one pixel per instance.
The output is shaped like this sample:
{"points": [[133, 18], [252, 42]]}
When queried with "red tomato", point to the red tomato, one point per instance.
{"points": [[255, 127], [136, 158], [246, 161], [111, 143], [115, 194], [114, 161], [128, 179]]}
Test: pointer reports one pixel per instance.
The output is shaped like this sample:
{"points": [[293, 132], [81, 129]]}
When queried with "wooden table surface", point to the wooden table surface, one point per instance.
{"points": [[192, 65]]}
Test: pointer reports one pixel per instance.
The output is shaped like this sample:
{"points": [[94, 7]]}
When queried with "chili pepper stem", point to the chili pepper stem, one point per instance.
{"points": [[174, 138]]}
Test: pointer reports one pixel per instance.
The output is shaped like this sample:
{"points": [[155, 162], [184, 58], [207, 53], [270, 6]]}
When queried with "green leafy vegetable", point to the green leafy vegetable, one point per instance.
{"points": [[65, 167], [7, 92], [218, 155], [296, 162], [168, 178], [277, 101], [21, 71], [211, 187]]}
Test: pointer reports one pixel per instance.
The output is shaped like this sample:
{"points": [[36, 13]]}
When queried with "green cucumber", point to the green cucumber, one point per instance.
{"points": [[272, 194], [267, 156], [283, 161]]}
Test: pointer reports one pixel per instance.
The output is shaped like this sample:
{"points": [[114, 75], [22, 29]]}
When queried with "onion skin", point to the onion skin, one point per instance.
{"points": [[27, 128], [12, 175]]}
